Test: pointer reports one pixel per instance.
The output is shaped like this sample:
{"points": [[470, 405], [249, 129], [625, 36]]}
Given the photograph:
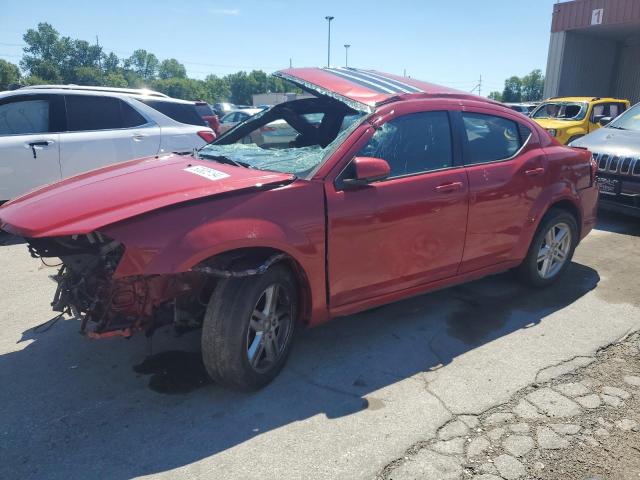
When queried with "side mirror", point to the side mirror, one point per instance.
{"points": [[602, 120], [367, 170]]}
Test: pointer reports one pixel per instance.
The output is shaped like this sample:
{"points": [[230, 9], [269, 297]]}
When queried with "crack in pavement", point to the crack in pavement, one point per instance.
{"points": [[546, 409]]}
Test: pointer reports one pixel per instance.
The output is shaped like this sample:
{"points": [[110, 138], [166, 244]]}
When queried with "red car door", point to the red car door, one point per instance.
{"points": [[403, 231], [506, 171]]}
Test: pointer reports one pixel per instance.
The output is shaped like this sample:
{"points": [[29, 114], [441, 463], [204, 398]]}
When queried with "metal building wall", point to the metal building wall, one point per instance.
{"points": [[587, 66], [554, 64], [627, 75], [577, 14]]}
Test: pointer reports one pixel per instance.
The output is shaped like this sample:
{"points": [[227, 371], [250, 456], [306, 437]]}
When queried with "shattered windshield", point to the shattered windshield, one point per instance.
{"points": [[561, 110], [274, 147]]}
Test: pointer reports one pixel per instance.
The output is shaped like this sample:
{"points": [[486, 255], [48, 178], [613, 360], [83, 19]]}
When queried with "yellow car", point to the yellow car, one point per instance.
{"points": [[568, 118]]}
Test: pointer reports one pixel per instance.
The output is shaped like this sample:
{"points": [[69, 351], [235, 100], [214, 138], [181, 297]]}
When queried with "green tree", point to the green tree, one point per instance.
{"points": [[50, 58], [115, 79], [44, 53], [171, 68], [33, 80], [512, 90], [143, 63], [239, 88], [216, 89], [185, 88], [9, 74], [110, 63], [497, 96], [532, 86], [87, 76]]}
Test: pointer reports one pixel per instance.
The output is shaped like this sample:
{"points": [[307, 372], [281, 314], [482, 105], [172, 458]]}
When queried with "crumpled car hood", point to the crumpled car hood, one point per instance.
{"points": [[89, 201]]}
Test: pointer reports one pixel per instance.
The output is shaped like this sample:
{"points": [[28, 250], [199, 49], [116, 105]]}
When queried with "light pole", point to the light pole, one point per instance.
{"points": [[328, 18], [346, 54]]}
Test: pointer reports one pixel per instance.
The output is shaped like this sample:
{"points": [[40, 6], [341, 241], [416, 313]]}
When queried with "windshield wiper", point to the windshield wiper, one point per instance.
{"points": [[617, 128], [223, 159]]}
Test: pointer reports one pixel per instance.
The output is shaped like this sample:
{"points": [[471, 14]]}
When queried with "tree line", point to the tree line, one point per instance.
{"points": [[54, 59], [521, 89], [49, 58]]}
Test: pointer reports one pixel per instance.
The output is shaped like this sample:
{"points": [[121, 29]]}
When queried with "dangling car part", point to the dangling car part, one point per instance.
{"points": [[116, 307]]}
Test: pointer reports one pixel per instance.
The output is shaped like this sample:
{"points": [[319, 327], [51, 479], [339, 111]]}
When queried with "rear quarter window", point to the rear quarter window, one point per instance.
{"points": [[204, 110], [180, 112]]}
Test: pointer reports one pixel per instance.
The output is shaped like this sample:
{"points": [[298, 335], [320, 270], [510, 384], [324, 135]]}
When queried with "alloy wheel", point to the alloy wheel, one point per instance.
{"points": [[269, 329], [554, 250]]}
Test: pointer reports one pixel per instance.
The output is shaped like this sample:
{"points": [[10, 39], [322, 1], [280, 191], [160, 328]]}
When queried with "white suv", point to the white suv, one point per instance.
{"points": [[48, 133]]}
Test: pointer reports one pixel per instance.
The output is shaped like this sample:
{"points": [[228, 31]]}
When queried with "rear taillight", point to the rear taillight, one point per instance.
{"points": [[594, 169], [207, 136]]}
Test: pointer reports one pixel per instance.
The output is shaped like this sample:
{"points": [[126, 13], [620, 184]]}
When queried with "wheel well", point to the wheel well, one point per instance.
{"points": [[569, 206], [252, 257]]}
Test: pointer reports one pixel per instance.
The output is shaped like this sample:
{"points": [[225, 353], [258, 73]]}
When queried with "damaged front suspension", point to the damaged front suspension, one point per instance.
{"points": [[227, 273]]}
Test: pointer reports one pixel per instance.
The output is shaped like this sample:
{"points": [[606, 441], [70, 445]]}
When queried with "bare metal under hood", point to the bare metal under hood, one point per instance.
{"points": [[87, 202]]}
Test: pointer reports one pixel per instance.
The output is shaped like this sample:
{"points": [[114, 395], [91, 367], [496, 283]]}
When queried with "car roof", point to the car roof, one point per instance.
{"points": [[127, 91], [584, 99], [366, 89], [54, 90]]}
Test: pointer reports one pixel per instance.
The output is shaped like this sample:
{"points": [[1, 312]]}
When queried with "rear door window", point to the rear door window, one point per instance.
{"points": [[90, 113], [86, 113], [180, 112], [490, 138], [24, 117]]}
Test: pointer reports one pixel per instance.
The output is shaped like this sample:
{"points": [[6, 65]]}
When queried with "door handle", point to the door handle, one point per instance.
{"points": [[138, 136], [39, 144], [535, 171], [449, 187]]}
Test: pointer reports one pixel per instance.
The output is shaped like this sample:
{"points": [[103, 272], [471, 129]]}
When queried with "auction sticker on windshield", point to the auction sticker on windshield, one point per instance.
{"points": [[206, 172]]}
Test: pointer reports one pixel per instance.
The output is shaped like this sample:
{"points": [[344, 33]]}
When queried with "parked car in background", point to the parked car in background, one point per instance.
{"points": [[371, 205], [221, 109], [278, 133], [206, 112], [569, 118], [48, 133], [235, 117], [523, 108], [616, 149]]}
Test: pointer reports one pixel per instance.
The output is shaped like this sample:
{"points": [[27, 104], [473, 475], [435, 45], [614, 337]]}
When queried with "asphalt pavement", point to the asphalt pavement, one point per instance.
{"points": [[354, 396]]}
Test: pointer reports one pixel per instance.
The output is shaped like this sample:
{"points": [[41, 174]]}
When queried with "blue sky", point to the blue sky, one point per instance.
{"points": [[451, 42]]}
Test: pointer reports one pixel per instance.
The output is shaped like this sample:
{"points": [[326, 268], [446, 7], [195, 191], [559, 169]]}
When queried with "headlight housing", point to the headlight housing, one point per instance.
{"points": [[552, 131]]}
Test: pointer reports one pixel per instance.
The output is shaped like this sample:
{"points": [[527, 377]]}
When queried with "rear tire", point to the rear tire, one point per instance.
{"points": [[551, 249], [248, 328]]}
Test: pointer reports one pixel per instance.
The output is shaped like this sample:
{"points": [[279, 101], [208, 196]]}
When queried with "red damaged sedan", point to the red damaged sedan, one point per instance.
{"points": [[391, 187]]}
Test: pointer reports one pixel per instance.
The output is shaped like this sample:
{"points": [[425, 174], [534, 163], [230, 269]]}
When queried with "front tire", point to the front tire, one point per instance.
{"points": [[248, 328], [551, 250]]}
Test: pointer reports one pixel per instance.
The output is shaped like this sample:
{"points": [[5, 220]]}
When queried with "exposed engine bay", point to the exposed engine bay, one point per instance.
{"points": [[118, 307]]}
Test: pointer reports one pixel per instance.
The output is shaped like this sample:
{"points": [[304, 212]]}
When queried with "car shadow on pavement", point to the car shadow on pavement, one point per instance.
{"points": [[7, 239], [618, 223], [74, 408]]}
